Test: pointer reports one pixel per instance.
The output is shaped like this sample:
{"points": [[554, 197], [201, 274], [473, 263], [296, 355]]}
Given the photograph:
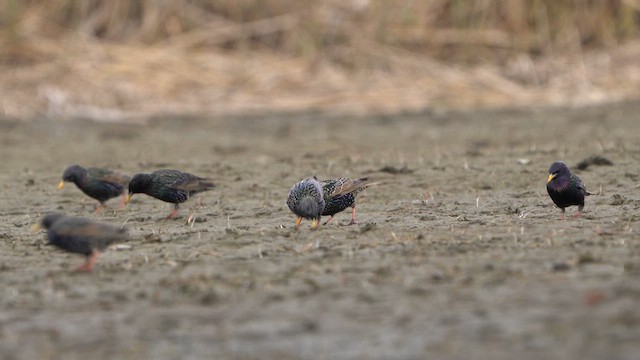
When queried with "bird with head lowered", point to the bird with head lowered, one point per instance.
{"points": [[306, 201], [171, 186], [98, 183]]}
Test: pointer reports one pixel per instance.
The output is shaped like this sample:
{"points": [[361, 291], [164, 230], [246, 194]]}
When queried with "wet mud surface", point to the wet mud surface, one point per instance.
{"points": [[458, 254]]}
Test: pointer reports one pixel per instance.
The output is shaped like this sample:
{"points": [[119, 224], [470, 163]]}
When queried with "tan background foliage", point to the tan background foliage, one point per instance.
{"points": [[121, 58]]}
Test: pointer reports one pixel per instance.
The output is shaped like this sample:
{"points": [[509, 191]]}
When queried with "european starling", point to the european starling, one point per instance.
{"points": [[340, 194], [80, 236], [306, 201], [100, 184], [565, 188], [172, 186]]}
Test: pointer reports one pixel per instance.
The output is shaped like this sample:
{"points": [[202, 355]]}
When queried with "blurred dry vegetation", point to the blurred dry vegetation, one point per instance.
{"points": [[113, 59]]}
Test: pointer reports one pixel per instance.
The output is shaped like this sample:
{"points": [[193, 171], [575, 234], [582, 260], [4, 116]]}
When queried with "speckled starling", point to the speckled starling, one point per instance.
{"points": [[80, 236], [172, 186], [100, 184], [305, 200], [340, 194], [565, 188]]}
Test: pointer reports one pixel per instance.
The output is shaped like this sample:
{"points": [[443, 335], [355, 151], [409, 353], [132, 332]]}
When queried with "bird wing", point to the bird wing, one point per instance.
{"points": [[347, 185], [110, 176], [580, 185], [192, 183], [86, 229]]}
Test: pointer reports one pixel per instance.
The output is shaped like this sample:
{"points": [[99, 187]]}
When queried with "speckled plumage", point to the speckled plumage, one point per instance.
{"points": [[340, 194], [81, 236], [171, 186], [98, 183], [565, 188], [306, 201]]}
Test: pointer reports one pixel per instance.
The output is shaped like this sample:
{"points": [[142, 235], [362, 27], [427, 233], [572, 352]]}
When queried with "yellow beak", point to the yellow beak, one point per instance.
{"points": [[551, 176], [128, 199], [60, 185], [298, 221], [36, 227]]}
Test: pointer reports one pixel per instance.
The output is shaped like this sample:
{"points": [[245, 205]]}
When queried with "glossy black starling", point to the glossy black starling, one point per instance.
{"points": [[100, 184], [306, 201], [80, 236], [172, 186], [340, 194], [565, 188]]}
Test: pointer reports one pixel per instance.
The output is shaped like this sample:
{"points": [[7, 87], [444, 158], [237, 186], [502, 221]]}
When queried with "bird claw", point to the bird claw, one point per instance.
{"points": [[84, 268]]}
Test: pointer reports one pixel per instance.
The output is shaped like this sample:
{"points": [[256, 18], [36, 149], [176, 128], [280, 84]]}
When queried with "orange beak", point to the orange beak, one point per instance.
{"points": [[36, 227], [61, 185]]}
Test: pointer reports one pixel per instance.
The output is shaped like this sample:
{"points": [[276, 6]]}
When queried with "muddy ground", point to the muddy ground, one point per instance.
{"points": [[458, 254]]}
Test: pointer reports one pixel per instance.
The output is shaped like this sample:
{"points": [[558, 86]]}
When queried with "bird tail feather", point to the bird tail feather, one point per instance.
{"points": [[352, 185]]}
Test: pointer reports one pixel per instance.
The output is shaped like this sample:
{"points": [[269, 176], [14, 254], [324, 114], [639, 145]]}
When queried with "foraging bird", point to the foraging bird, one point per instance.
{"points": [[81, 236], [100, 184], [340, 194], [565, 188], [172, 186], [305, 199]]}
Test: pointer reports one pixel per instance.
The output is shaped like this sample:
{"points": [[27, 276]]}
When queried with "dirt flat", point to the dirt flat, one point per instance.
{"points": [[458, 254]]}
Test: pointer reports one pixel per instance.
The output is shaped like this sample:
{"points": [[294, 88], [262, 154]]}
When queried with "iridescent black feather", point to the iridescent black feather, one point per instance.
{"points": [[98, 183], [172, 186], [340, 194], [565, 188]]}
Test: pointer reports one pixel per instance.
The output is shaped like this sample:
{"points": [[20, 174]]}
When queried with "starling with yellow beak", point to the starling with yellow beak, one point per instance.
{"points": [[565, 188], [98, 183]]}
